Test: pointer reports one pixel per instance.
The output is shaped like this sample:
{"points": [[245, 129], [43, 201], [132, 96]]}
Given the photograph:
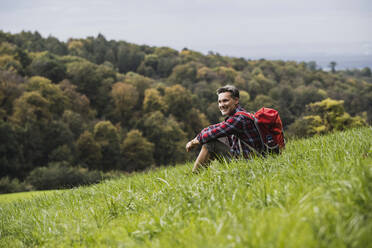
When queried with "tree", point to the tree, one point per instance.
{"points": [[333, 115], [108, 79], [75, 122], [129, 57], [31, 138], [213, 112], [225, 74], [99, 47], [10, 90], [167, 59], [53, 45], [306, 126], [303, 96], [239, 63], [58, 142], [137, 151], [284, 97], [168, 137], [207, 74], [311, 65], [332, 65], [179, 104], [30, 41], [125, 97], [62, 153], [244, 98], [141, 83], [31, 107], [106, 135], [184, 74], [49, 67], [9, 63], [148, 66], [10, 155], [13, 58], [153, 101], [88, 151], [325, 116], [77, 102], [262, 101], [75, 47], [194, 122], [93, 81], [366, 72], [84, 76], [51, 92], [178, 101], [204, 93]]}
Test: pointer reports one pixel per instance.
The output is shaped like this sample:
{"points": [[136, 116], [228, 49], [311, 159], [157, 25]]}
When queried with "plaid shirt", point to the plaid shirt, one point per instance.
{"points": [[234, 127]]}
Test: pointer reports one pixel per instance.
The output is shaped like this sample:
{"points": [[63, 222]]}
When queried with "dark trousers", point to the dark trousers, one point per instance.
{"points": [[219, 148]]}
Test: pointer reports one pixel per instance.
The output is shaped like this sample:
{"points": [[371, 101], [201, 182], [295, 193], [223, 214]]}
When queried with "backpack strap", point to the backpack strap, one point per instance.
{"points": [[255, 121], [250, 147], [249, 115]]}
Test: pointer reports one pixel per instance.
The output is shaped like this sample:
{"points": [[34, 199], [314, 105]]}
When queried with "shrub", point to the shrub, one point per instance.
{"points": [[60, 175], [8, 185]]}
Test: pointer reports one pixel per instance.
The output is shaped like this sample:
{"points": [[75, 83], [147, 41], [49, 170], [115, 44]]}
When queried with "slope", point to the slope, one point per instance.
{"points": [[318, 193]]}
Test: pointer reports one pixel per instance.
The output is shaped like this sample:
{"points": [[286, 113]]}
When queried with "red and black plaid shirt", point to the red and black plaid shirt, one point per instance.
{"points": [[234, 127]]}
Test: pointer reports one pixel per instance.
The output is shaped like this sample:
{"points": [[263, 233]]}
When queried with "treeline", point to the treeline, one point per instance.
{"points": [[86, 107]]}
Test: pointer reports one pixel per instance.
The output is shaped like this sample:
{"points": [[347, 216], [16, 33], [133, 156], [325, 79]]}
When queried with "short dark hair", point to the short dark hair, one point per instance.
{"points": [[229, 88]]}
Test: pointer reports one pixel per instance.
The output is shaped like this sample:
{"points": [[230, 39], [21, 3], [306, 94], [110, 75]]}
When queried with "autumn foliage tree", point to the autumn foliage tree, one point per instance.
{"points": [[125, 97], [325, 116]]}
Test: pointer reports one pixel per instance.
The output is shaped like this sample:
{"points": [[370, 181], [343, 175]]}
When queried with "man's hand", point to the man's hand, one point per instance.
{"points": [[191, 144]]}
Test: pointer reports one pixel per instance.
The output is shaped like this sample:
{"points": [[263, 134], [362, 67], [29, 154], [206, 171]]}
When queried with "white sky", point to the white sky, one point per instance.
{"points": [[243, 28]]}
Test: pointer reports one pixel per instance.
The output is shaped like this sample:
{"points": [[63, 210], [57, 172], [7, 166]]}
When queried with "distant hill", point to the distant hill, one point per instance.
{"points": [[344, 62]]}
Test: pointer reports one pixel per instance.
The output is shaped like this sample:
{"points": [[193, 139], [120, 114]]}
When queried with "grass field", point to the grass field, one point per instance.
{"points": [[318, 193], [5, 198]]}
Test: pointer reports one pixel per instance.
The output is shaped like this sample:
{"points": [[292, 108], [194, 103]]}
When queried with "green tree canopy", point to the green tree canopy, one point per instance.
{"points": [[107, 136], [49, 67], [57, 100], [168, 137], [31, 107], [154, 101], [125, 97], [89, 151], [178, 100], [138, 152]]}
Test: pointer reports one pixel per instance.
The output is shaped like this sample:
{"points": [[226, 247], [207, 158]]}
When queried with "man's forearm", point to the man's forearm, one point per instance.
{"points": [[192, 143]]}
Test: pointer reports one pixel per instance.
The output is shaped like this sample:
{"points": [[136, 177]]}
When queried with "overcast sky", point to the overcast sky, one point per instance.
{"points": [[243, 28]]}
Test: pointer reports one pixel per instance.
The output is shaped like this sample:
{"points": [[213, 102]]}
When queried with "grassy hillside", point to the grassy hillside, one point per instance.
{"points": [[318, 193], [5, 198]]}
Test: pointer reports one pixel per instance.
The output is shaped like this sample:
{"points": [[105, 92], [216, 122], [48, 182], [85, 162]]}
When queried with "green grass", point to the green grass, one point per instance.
{"points": [[5, 198], [318, 193]]}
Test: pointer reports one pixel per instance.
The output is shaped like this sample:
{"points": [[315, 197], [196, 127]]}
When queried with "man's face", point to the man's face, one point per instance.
{"points": [[227, 103]]}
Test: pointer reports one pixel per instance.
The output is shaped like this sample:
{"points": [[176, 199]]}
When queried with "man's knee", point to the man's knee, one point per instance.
{"points": [[217, 149]]}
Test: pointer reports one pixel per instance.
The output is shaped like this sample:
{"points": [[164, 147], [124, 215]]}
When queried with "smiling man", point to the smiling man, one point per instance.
{"points": [[235, 136]]}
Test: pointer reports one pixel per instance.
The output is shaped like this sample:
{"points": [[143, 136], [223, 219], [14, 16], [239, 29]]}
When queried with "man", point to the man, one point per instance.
{"points": [[232, 137]]}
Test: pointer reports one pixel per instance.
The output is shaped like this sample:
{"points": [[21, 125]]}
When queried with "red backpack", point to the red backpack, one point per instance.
{"points": [[270, 127]]}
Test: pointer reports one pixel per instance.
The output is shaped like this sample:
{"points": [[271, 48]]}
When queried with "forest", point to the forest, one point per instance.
{"points": [[80, 111]]}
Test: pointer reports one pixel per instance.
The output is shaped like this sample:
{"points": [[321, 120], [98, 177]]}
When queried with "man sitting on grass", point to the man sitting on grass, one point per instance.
{"points": [[235, 136]]}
